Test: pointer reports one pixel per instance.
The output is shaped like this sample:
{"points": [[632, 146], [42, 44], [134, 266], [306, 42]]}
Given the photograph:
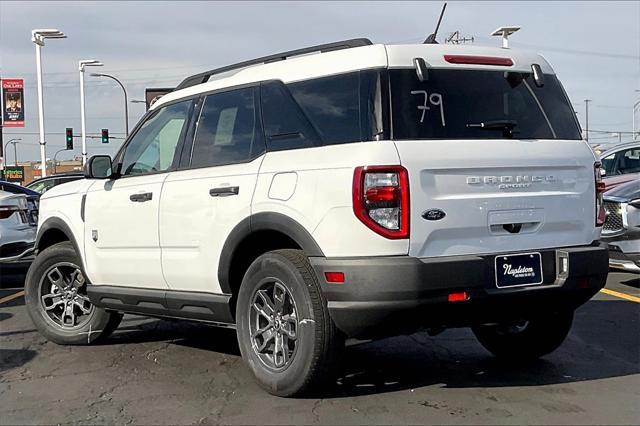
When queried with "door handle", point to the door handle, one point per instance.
{"points": [[141, 197], [225, 191]]}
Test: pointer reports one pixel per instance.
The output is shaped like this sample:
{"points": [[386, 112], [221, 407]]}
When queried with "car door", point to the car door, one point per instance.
{"points": [[121, 215], [204, 201]]}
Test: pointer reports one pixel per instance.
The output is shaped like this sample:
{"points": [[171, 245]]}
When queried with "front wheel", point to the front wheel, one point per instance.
{"points": [[525, 340], [57, 301], [284, 330]]}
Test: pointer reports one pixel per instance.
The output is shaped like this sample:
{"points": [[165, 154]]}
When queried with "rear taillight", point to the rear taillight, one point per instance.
{"points": [[601, 214], [381, 199], [7, 211]]}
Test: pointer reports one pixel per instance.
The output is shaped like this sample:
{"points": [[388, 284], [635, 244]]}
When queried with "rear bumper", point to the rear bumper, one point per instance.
{"points": [[395, 295]]}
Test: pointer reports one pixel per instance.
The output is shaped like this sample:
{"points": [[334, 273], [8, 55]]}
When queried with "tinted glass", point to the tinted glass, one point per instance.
{"points": [[332, 105], [43, 186], [629, 161], [608, 164], [153, 147], [285, 124], [228, 129], [473, 104]]}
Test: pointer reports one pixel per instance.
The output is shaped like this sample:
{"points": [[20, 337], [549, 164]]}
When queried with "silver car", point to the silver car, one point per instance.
{"points": [[17, 231], [621, 229]]}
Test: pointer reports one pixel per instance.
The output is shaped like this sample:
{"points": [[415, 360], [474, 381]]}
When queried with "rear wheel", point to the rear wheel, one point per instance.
{"points": [[57, 301], [526, 340], [285, 333]]}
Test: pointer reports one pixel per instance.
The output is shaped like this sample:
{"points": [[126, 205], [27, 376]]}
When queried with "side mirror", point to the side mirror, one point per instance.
{"points": [[603, 172], [98, 167]]}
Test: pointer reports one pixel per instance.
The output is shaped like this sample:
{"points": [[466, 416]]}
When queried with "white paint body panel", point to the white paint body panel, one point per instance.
{"points": [[127, 251], [194, 225], [560, 210], [322, 201]]}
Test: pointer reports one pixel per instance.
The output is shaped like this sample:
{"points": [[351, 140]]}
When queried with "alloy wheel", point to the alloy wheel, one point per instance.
{"points": [[63, 296], [273, 325]]}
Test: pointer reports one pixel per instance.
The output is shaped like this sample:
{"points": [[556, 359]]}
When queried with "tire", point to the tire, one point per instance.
{"points": [[527, 340], [312, 358], [83, 323]]}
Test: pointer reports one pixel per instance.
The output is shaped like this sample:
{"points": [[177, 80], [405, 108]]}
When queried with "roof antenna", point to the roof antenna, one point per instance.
{"points": [[432, 38]]}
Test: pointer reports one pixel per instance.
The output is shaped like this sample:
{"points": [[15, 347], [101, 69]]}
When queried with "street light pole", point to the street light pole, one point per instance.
{"points": [[38, 37], [5, 151], [83, 125], [15, 152], [586, 119], [126, 103], [635, 133]]}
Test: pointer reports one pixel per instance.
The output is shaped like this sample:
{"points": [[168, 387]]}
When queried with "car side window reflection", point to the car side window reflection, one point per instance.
{"points": [[153, 147]]}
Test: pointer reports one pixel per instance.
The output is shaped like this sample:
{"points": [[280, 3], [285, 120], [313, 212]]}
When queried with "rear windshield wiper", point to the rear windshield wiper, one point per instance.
{"points": [[506, 126]]}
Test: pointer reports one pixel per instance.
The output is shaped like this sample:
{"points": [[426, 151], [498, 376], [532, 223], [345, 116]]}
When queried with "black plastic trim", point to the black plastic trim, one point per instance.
{"points": [[195, 306], [265, 221], [339, 45], [378, 291], [60, 225]]}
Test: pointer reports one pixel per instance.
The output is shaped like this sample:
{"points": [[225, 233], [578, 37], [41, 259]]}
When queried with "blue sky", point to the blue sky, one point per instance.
{"points": [[593, 46]]}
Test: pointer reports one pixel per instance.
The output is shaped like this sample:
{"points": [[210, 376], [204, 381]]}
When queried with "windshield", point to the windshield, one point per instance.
{"points": [[473, 104]]}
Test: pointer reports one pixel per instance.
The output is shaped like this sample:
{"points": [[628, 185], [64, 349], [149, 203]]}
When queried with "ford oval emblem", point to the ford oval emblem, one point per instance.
{"points": [[434, 214]]}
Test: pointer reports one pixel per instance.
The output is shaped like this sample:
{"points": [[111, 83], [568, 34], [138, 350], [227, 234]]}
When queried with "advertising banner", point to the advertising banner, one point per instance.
{"points": [[13, 102], [14, 174]]}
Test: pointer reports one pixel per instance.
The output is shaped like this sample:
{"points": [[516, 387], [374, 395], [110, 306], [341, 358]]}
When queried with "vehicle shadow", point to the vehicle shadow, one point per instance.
{"points": [[603, 343], [12, 358]]}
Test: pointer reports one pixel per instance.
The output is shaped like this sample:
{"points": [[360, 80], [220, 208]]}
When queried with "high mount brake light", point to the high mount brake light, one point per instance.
{"points": [[381, 199], [600, 187], [478, 60]]}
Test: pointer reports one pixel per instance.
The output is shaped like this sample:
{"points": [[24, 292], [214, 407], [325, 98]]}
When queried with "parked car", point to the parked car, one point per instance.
{"points": [[42, 185], [33, 198], [359, 191], [621, 164], [17, 232], [621, 229]]}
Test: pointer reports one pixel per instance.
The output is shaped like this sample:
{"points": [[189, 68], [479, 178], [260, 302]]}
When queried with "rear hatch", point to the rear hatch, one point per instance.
{"points": [[495, 159]]}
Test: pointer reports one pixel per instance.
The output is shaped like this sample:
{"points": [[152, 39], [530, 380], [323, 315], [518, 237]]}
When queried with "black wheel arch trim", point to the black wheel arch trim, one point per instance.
{"points": [[59, 225], [264, 221]]}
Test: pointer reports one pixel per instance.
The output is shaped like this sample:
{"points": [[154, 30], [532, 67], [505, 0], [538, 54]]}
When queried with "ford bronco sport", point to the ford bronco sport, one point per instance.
{"points": [[342, 190]]}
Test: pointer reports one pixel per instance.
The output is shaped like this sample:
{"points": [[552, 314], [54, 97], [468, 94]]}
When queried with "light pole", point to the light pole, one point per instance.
{"points": [[81, 64], [586, 119], [37, 37], [634, 135], [126, 103], [15, 154]]}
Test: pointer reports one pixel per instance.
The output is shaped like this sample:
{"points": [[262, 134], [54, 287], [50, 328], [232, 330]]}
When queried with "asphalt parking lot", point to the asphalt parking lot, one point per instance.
{"points": [[155, 371]]}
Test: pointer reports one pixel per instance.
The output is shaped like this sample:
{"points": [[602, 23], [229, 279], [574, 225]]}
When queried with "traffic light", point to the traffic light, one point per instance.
{"points": [[69, 139], [105, 135]]}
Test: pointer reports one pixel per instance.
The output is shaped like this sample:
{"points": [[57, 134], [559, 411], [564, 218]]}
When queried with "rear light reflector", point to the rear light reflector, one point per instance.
{"points": [[478, 60], [381, 199], [600, 187], [458, 297], [7, 211], [334, 277]]}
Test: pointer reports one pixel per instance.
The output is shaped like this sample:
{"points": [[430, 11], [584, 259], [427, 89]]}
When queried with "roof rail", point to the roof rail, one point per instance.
{"points": [[338, 45]]}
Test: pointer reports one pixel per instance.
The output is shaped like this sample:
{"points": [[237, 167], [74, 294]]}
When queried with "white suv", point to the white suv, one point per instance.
{"points": [[343, 190]]}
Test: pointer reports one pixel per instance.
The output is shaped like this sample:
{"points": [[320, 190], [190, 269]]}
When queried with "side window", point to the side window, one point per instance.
{"points": [[285, 124], [332, 104], [608, 163], [629, 161], [153, 147], [228, 130]]}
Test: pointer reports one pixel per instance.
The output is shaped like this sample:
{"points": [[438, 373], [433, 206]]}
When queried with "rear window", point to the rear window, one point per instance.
{"points": [[472, 104]]}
